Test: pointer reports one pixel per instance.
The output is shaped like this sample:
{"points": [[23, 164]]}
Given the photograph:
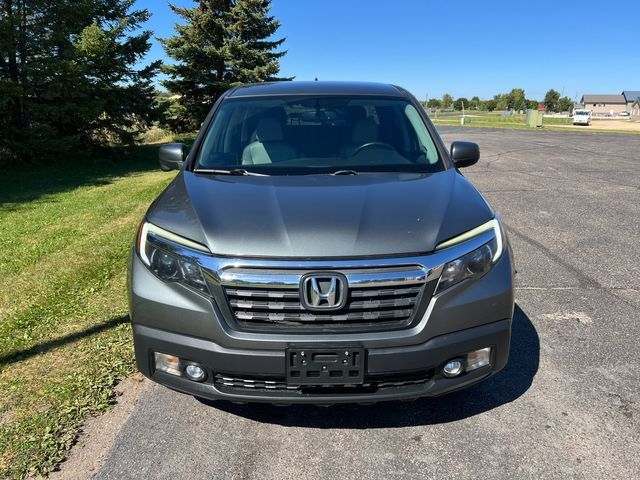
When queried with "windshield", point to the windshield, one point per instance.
{"points": [[582, 112], [318, 134]]}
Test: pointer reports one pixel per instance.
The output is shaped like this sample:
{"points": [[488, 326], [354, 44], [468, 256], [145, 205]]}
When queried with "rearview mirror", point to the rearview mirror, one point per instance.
{"points": [[464, 154], [172, 156]]}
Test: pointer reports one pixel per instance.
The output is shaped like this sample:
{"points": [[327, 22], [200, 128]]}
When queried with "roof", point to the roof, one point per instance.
{"points": [[631, 95], [596, 98], [317, 88]]}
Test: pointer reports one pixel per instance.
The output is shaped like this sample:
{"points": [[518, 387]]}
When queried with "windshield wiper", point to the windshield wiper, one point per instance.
{"points": [[344, 172], [230, 171]]}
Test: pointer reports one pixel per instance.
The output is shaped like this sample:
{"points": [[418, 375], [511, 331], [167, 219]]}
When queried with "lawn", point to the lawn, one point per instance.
{"points": [[479, 119], [65, 340], [497, 120]]}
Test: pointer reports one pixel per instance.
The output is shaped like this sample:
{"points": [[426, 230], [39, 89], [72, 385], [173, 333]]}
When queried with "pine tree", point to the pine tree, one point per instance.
{"points": [[19, 48], [223, 43], [123, 95], [67, 76]]}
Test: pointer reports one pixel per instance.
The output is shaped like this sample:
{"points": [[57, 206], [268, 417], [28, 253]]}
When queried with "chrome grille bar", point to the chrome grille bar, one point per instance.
{"points": [[379, 277], [386, 295]]}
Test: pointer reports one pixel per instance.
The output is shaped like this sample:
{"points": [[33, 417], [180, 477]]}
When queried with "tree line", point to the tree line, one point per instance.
{"points": [[73, 77], [514, 100]]}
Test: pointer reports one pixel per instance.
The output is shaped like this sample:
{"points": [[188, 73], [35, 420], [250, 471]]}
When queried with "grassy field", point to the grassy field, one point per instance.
{"points": [[496, 120], [65, 340]]}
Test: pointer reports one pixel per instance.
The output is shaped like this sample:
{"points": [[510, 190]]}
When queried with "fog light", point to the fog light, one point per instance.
{"points": [[453, 368], [195, 373], [167, 363], [478, 359]]}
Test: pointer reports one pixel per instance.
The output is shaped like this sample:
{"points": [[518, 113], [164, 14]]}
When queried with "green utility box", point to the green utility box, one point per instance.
{"points": [[534, 118]]}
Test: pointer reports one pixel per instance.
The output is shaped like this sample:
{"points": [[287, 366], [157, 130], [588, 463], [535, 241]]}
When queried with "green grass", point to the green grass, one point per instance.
{"points": [[480, 119], [557, 121], [496, 120], [65, 340]]}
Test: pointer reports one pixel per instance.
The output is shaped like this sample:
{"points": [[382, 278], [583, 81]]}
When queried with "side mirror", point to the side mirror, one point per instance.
{"points": [[172, 156], [464, 154]]}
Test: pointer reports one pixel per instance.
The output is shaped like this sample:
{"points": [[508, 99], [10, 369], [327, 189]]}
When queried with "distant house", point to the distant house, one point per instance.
{"points": [[635, 109], [630, 96], [604, 104]]}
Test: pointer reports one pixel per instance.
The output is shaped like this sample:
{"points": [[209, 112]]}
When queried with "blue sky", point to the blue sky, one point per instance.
{"points": [[461, 47]]}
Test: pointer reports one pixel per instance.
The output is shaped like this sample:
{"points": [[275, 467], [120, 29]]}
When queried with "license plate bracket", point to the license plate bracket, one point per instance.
{"points": [[325, 365]]}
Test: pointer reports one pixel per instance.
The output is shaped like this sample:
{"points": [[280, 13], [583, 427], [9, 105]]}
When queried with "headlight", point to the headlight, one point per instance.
{"points": [[167, 264], [475, 263]]}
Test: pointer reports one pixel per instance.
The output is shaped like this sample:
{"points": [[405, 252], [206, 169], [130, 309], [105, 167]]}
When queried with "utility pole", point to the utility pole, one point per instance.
{"points": [[462, 121]]}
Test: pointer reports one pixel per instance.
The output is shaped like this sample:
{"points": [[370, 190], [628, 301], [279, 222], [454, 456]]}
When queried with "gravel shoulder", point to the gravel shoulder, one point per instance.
{"points": [[99, 433]]}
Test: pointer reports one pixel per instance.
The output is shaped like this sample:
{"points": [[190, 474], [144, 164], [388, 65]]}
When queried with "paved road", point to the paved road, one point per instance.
{"points": [[567, 404]]}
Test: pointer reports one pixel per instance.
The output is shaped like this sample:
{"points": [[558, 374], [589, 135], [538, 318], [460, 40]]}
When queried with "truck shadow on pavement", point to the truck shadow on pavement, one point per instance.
{"points": [[504, 387]]}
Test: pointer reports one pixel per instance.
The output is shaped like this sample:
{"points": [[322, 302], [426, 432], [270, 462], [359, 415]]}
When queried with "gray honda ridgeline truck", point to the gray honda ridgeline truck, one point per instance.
{"points": [[319, 245]]}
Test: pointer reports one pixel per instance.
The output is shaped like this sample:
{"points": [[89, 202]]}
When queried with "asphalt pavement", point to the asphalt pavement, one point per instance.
{"points": [[566, 405]]}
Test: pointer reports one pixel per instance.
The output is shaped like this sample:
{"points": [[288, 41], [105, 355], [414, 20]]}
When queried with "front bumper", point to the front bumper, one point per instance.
{"points": [[380, 362], [171, 319]]}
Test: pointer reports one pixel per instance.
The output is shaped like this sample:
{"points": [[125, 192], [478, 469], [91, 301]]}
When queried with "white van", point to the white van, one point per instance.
{"points": [[581, 117]]}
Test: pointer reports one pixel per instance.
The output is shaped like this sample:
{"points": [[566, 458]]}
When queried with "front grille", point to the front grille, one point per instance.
{"points": [[284, 306], [381, 298], [371, 383]]}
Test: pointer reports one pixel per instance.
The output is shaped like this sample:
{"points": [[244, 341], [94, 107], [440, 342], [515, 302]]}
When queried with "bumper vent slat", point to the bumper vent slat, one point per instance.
{"points": [[371, 382]]}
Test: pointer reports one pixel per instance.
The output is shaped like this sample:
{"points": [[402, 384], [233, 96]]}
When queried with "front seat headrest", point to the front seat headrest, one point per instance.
{"points": [[355, 113], [365, 131], [278, 113], [269, 130]]}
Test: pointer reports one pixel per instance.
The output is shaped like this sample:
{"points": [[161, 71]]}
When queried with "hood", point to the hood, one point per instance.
{"points": [[320, 215]]}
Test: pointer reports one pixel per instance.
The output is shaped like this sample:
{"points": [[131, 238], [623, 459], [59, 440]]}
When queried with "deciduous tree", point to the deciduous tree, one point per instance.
{"points": [[489, 105], [502, 101], [551, 99], [565, 104], [533, 104], [516, 99], [460, 103], [447, 101]]}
